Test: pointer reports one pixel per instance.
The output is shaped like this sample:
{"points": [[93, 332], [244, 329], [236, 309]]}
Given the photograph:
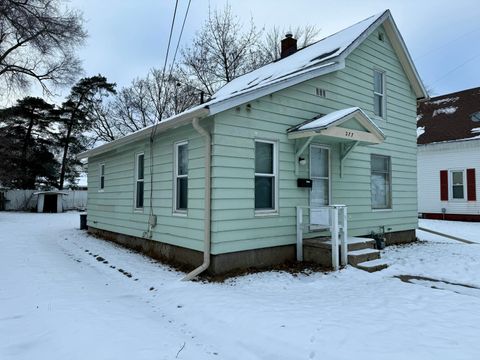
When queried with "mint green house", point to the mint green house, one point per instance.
{"points": [[219, 186]]}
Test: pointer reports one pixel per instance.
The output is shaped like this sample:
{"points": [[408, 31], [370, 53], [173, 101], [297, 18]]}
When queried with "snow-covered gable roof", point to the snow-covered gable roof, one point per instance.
{"points": [[323, 57], [309, 57]]}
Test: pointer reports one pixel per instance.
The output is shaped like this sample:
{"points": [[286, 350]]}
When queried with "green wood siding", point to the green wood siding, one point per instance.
{"points": [[114, 208], [234, 224]]}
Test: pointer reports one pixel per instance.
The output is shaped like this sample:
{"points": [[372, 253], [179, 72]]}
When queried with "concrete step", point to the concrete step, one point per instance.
{"points": [[372, 265], [354, 243], [359, 256]]}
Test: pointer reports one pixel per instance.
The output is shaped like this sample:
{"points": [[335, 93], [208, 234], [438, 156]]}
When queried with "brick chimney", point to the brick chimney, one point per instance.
{"points": [[289, 45]]}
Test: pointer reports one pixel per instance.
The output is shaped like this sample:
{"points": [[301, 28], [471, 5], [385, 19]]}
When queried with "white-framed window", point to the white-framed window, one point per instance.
{"points": [[266, 189], [102, 177], [379, 93], [180, 181], [139, 180], [381, 181], [457, 184]]}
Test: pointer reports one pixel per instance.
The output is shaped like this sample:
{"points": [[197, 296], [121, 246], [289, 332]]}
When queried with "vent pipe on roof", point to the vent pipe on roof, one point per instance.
{"points": [[289, 45]]}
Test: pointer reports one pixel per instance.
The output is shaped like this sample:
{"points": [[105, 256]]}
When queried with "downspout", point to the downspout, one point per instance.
{"points": [[208, 201]]}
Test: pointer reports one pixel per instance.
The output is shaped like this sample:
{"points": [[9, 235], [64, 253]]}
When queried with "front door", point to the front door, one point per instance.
{"points": [[320, 192]]}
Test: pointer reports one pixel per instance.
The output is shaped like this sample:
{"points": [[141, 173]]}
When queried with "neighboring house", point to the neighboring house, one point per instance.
{"points": [[448, 130], [333, 123]]}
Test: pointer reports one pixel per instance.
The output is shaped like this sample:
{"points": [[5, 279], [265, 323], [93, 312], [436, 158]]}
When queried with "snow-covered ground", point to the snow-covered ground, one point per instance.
{"points": [[465, 230], [59, 300]]}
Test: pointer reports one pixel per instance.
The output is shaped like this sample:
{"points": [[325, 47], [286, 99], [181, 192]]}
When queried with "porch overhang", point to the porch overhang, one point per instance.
{"points": [[333, 126]]}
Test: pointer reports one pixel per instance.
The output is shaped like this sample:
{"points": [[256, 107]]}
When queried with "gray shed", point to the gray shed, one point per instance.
{"points": [[50, 201]]}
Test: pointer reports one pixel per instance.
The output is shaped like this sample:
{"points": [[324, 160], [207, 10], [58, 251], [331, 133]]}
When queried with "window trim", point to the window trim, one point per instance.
{"points": [[274, 211], [390, 190], [176, 211], [137, 156], [450, 185], [102, 175], [382, 95]]}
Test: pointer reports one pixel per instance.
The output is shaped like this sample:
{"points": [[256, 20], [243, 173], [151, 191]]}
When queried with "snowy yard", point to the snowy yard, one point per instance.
{"points": [[59, 301]]}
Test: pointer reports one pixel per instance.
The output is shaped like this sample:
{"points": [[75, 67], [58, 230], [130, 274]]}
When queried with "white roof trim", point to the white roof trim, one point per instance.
{"points": [[170, 123], [328, 125], [283, 83], [400, 48]]}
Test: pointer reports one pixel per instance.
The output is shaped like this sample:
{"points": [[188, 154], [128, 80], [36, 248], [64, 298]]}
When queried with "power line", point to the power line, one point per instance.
{"points": [[456, 68], [180, 37], [154, 129], [176, 49], [447, 43]]}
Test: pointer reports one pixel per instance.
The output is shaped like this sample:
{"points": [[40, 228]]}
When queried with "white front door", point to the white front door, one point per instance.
{"points": [[320, 192]]}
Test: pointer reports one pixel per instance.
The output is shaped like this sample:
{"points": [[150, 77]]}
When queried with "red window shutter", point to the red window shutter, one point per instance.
{"points": [[444, 185], [471, 185]]}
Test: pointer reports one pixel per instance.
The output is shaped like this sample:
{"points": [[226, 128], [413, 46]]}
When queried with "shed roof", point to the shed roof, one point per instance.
{"points": [[51, 192], [450, 117]]}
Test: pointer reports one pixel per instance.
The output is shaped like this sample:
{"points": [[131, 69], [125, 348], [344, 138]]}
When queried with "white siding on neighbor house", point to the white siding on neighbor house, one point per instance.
{"points": [[446, 156]]}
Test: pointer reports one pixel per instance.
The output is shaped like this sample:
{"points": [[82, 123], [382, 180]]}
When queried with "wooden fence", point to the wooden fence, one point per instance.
{"points": [[25, 200]]}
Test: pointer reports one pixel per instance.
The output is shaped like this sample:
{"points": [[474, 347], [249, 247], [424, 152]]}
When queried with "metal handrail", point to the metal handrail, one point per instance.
{"points": [[338, 232]]}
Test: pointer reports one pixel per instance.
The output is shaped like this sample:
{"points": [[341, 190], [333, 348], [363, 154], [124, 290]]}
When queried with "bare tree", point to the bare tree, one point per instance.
{"points": [[143, 103], [37, 43], [270, 46], [221, 51]]}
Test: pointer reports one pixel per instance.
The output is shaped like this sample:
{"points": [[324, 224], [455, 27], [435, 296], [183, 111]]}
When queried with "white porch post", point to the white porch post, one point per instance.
{"points": [[299, 234], [344, 241], [334, 231]]}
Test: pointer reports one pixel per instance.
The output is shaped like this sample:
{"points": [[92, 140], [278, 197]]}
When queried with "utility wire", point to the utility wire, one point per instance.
{"points": [[180, 37], [428, 52], [456, 68], [176, 48], [154, 128]]}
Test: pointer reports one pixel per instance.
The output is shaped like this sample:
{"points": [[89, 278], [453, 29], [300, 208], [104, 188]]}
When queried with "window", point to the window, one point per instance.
{"points": [[379, 93], [265, 176], [102, 176], [457, 179], [181, 177], [381, 182], [139, 181]]}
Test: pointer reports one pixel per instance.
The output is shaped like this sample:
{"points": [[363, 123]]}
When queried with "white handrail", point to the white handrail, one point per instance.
{"points": [[338, 233]]}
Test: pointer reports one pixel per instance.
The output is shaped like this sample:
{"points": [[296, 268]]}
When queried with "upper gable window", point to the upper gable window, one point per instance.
{"points": [[379, 93], [381, 36]]}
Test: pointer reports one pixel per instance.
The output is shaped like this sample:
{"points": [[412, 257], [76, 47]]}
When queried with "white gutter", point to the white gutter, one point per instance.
{"points": [[208, 202]]}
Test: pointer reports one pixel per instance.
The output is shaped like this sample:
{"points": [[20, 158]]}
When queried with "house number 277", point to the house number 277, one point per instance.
{"points": [[349, 133]]}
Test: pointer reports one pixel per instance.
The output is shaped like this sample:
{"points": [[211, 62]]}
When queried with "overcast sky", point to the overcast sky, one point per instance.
{"points": [[128, 37]]}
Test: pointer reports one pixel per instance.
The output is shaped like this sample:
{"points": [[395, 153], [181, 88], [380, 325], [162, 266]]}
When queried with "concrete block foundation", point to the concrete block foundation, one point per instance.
{"points": [[187, 259]]}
